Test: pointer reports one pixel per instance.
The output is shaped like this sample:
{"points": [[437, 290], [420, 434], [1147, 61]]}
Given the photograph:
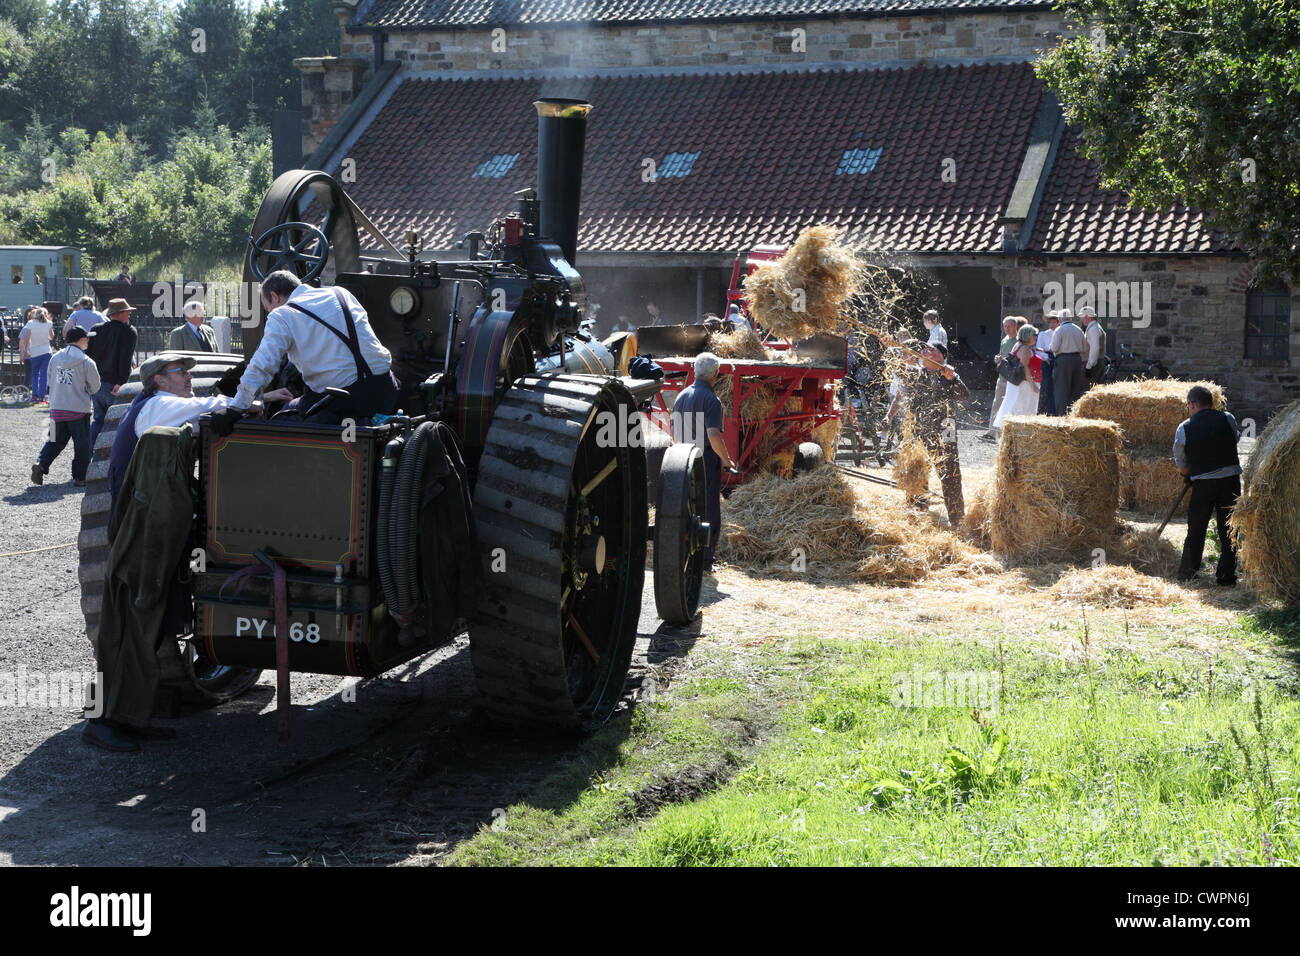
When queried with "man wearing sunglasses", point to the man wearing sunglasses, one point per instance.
{"points": [[167, 399]]}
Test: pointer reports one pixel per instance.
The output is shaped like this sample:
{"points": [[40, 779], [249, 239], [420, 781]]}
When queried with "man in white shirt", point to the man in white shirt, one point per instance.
{"points": [[938, 334], [1095, 337], [166, 399], [736, 319], [327, 335]]}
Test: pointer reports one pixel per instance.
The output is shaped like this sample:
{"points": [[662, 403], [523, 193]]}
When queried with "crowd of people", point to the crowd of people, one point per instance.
{"points": [[1045, 371], [1051, 367]]}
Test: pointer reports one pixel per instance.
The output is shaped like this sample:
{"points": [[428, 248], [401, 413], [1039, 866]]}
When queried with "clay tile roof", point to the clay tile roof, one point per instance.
{"points": [[1077, 216], [769, 145], [438, 14]]}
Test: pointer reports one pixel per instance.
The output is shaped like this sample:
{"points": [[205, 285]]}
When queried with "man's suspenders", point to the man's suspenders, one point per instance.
{"points": [[352, 340]]}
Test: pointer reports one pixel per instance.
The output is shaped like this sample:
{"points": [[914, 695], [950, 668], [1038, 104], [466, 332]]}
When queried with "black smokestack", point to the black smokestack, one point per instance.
{"points": [[561, 139]]}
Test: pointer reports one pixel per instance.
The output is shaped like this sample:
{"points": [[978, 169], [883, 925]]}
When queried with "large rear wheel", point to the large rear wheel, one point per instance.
{"points": [[186, 677], [560, 513]]}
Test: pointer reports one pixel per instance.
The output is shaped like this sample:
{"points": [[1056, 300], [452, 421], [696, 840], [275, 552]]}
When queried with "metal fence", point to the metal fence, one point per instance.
{"points": [[152, 333]]}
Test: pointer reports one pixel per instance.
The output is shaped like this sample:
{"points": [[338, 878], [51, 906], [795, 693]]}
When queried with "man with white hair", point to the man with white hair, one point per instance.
{"points": [[192, 335], [697, 420], [1068, 345], [1094, 362]]}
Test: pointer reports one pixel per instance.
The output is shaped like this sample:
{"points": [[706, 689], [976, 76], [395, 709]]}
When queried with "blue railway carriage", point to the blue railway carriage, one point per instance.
{"points": [[33, 275]]}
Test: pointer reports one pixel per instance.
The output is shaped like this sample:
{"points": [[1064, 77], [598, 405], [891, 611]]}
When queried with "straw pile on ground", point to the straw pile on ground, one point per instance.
{"points": [[805, 291], [1057, 485], [1115, 586], [1148, 413], [1266, 519], [840, 531]]}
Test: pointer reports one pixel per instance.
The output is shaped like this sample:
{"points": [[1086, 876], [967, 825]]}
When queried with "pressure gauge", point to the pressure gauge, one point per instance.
{"points": [[402, 300]]}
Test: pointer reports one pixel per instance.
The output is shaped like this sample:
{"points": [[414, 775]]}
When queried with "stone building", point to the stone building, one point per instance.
{"points": [[916, 126]]}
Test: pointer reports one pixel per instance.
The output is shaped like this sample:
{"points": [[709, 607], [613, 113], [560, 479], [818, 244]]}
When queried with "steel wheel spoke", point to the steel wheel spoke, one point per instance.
{"points": [[601, 475], [582, 636]]}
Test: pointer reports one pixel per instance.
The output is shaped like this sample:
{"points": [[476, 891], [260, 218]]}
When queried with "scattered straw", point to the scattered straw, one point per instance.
{"points": [[741, 343], [1266, 519], [975, 523], [840, 530], [912, 469], [805, 291], [1115, 586], [1057, 487], [1144, 551]]}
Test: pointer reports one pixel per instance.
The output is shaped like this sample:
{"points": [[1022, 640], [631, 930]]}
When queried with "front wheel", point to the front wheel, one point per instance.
{"points": [[560, 514]]}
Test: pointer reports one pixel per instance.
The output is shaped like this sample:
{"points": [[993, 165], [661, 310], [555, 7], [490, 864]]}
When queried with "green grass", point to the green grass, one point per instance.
{"points": [[800, 753]]}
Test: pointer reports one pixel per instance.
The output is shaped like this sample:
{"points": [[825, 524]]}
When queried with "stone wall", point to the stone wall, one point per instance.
{"points": [[1197, 317], [882, 41]]}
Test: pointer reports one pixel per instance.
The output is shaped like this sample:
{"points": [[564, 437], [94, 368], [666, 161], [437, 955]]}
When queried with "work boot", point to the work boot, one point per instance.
{"points": [[38, 474], [102, 733]]}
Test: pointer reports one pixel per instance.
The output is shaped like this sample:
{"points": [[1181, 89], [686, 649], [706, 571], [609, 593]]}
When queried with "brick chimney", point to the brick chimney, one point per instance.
{"points": [[329, 85]]}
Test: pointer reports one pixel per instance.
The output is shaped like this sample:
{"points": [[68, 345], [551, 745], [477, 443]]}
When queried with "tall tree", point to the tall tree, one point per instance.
{"points": [[283, 30], [1194, 102]]}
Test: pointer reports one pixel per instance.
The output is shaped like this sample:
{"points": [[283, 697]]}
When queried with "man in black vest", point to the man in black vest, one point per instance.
{"points": [[1205, 451]]}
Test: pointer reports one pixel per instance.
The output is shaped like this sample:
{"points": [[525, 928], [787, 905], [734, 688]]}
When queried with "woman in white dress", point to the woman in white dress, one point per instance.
{"points": [[1022, 399]]}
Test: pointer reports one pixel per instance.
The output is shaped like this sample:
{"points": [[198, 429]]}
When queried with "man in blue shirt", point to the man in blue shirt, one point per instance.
{"points": [[84, 316], [697, 420], [1205, 451]]}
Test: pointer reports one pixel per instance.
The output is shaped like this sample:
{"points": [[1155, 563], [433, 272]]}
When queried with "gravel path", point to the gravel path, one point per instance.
{"points": [[403, 772]]}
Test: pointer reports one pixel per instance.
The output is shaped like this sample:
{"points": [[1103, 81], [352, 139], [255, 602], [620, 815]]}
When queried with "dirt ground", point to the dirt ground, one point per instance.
{"points": [[401, 774]]}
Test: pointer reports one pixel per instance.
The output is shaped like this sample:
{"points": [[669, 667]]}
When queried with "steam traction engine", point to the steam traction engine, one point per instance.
{"points": [[326, 527]]}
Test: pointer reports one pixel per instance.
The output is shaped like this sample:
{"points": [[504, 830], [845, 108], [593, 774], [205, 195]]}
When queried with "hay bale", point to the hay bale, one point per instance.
{"points": [[1149, 481], [912, 469], [1265, 523], [1056, 487], [816, 269], [1148, 411]]}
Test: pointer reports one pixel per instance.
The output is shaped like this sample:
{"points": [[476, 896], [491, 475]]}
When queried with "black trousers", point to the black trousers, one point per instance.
{"points": [[78, 432], [713, 501], [1068, 381], [376, 395], [1211, 497], [1047, 394]]}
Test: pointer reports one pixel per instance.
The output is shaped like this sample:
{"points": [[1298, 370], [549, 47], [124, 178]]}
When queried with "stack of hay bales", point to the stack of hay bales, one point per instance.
{"points": [[1265, 523], [1148, 412], [1056, 488]]}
